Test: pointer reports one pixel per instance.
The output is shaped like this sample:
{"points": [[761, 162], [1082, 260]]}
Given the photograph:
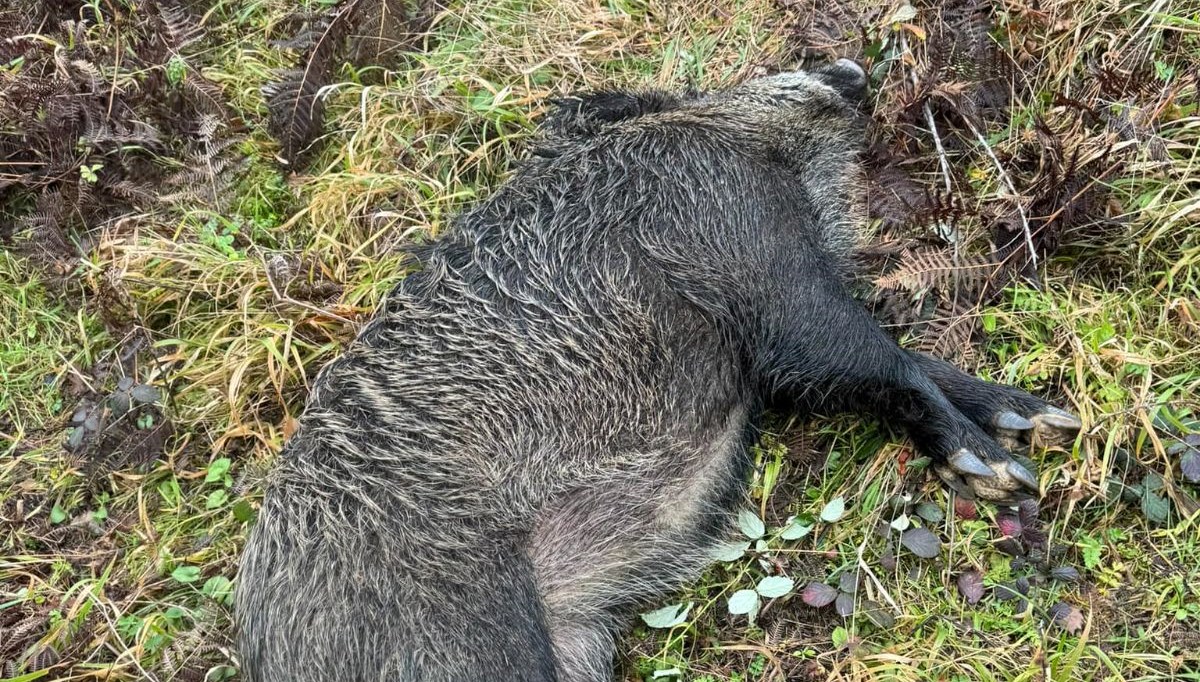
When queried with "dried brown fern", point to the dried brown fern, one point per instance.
{"points": [[363, 31], [90, 132], [927, 269], [951, 333]]}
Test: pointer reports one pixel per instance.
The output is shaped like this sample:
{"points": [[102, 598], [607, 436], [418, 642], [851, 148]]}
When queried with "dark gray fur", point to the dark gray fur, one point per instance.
{"points": [[548, 425]]}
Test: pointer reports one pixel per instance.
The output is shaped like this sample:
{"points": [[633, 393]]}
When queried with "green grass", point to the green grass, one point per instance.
{"points": [[122, 569]]}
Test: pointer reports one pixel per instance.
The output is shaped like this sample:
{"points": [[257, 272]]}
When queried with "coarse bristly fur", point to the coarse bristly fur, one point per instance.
{"points": [[548, 425]]}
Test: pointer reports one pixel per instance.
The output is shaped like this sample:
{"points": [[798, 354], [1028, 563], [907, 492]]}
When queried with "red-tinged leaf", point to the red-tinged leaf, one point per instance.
{"points": [[1006, 591], [888, 560], [965, 509], [1028, 512], [1067, 616], [818, 595], [921, 542], [1009, 524], [844, 605], [970, 584], [877, 614], [930, 512], [1010, 547], [1034, 536], [1189, 464], [1066, 574]]}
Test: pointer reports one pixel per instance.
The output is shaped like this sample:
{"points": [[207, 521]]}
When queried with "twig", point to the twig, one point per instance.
{"points": [[1011, 188], [284, 298], [933, 130], [937, 143], [862, 565]]}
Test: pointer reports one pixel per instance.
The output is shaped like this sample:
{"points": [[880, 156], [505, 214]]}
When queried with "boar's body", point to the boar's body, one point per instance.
{"points": [[548, 424]]}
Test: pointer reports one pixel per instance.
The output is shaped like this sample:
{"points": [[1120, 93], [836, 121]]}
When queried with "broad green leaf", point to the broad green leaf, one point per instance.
{"points": [[774, 586], [795, 530], [833, 510], [668, 616], [840, 637], [186, 574], [930, 512], [219, 588], [217, 470], [242, 511], [743, 602], [1092, 550], [1156, 507], [216, 498], [58, 515], [750, 524]]}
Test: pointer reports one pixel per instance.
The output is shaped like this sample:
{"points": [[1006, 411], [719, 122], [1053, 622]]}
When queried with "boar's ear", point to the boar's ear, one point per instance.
{"points": [[586, 112], [846, 77]]}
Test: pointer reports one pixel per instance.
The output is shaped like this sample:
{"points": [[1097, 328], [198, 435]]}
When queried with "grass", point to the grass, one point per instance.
{"points": [[119, 565]]}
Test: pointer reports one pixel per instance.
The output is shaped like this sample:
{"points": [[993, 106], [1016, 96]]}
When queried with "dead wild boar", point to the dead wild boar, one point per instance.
{"points": [[548, 424]]}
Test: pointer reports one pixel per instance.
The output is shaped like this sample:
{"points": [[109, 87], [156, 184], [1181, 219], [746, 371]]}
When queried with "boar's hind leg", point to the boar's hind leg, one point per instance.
{"points": [[1012, 416], [828, 353], [601, 553]]}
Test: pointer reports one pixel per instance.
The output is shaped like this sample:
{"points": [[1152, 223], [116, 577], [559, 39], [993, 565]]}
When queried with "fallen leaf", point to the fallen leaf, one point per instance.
{"points": [[818, 595], [877, 614], [1189, 464], [1067, 616], [921, 542], [844, 605], [970, 584], [965, 509]]}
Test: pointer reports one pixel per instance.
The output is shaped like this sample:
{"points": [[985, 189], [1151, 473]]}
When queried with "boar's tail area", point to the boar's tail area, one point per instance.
{"points": [[323, 599]]}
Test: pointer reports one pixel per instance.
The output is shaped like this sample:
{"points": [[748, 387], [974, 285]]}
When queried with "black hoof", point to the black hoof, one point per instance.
{"points": [[1003, 480]]}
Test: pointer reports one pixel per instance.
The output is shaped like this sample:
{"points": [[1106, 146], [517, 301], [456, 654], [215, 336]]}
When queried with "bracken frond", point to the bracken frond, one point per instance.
{"points": [[939, 269], [950, 333]]}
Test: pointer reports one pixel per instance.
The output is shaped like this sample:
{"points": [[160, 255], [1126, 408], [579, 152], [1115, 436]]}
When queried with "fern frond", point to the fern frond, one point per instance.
{"points": [[294, 99], [938, 269], [950, 334]]}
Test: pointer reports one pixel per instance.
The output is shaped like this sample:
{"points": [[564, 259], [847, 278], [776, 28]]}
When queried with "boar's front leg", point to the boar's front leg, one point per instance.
{"points": [[819, 349], [1012, 416]]}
